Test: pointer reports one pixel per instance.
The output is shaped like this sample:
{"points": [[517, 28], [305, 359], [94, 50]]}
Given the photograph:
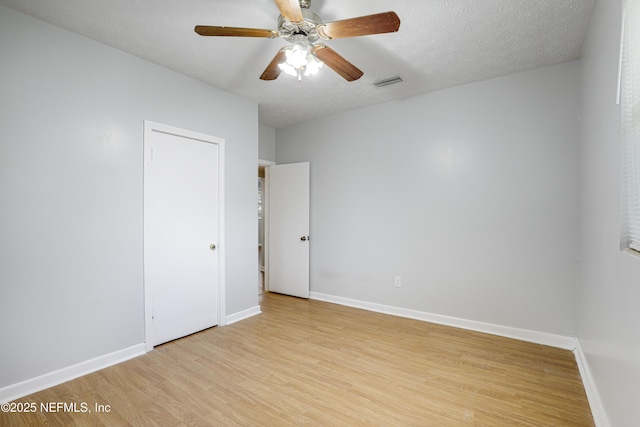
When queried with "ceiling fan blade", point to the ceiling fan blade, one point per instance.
{"points": [[337, 63], [386, 22], [273, 71], [206, 30], [290, 9]]}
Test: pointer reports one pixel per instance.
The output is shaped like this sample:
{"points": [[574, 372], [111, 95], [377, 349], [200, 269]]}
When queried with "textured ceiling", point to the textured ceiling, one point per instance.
{"points": [[441, 43]]}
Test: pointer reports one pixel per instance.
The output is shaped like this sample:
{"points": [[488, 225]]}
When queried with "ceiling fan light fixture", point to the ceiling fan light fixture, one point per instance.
{"points": [[288, 69], [300, 61], [313, 65], [297, 55]]}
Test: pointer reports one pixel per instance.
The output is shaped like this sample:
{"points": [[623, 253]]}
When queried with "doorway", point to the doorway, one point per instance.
{"points": [[262, 226]]}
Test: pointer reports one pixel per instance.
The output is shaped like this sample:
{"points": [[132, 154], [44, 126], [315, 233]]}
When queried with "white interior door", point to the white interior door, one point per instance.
{"points": [[182, 232], [288, 229]]}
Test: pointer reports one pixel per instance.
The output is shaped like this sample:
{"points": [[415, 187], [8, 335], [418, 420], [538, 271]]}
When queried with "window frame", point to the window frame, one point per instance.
{"points": [[630, 112]]}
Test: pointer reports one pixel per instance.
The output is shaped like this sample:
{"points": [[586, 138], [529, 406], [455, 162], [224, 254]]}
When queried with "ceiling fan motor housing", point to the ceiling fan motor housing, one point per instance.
{"points": [[288, 29]]}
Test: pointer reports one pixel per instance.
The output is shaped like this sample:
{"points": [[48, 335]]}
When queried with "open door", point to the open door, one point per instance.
{"points": [[288, 229]]}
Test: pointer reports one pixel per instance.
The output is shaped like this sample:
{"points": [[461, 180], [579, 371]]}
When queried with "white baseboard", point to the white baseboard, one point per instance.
{"points": [[244, 314], [33, 385], [51, 379], [553, 340], [597, 408]]}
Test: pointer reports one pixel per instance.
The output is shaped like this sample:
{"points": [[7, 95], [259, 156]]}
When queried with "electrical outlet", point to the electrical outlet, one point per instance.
{"points": [[397, 281]]}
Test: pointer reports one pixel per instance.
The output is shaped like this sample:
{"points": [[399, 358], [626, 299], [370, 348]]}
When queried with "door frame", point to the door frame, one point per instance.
{"points": [[149, 128], [265, 216]]}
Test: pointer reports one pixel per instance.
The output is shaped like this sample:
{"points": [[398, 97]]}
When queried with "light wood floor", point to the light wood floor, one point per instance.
{"points": [[309, 363]]}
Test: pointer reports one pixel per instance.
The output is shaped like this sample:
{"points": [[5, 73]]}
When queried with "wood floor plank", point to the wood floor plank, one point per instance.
{"points": [[310, 363]]}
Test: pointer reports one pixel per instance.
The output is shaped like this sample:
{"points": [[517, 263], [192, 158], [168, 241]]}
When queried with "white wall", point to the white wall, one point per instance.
{"points": [[608, 325], [469, 194], [266, 143], [71, 128]]}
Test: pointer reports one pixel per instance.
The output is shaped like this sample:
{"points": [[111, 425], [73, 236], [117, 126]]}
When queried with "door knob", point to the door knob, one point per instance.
{"points": [[212, 246], [304, 238]]}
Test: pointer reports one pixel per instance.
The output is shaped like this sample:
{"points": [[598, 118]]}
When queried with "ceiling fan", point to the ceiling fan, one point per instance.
{"points": [[303, 28]]}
